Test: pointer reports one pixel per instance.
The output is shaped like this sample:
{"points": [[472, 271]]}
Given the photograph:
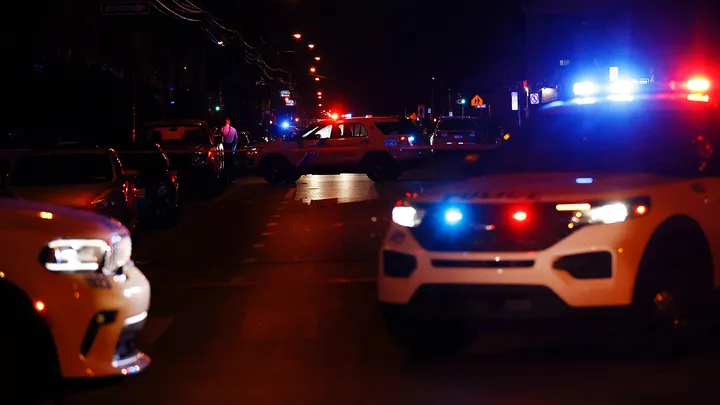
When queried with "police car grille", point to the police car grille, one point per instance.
{"points": [[491, 228]]}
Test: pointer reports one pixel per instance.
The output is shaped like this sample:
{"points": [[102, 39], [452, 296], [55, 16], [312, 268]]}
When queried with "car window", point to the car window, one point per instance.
{"points": [[180, 135], [404, 127], [143, 161], [354, 130], [321, 131], [62, 169]]}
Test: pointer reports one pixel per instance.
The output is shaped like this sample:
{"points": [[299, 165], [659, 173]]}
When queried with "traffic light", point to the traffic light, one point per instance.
{"points": [[217, 108]]}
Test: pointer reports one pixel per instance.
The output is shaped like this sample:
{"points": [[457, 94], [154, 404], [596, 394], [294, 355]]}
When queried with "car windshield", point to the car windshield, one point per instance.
{"points": [[179, 135], [617, 141], [62, 169], [403, 127], [460, 125], [143, 161]]}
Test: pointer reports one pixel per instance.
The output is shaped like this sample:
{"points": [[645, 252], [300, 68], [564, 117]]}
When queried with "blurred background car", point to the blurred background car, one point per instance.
{"points": [[82, 177], [157, 187]]}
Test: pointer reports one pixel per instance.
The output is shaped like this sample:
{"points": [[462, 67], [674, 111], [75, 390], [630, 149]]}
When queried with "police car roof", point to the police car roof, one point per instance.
{"points": [[640, 103]]}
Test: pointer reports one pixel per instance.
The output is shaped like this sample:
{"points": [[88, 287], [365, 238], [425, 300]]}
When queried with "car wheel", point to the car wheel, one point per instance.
{"points": [[382, 168], [275, 171], [674, 289], [30, 366], [425, 336]]}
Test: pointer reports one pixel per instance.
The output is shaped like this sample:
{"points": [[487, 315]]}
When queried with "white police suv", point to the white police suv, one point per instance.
{"points": [[72, 302], [380, 147], [600, 204]]}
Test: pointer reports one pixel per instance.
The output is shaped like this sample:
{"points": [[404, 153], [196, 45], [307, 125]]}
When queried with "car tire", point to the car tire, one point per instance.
{"points": [[276, 170], [382, 167], [674, 289], [30, 365], [425, 336]]}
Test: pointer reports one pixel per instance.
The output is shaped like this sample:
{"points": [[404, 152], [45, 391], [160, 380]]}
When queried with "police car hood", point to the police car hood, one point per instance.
{"points": [[17, 217], [543, 187], [79, 196]]}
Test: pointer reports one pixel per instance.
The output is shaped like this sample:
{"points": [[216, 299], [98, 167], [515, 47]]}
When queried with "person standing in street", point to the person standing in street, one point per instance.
{"points": [[230, 141]]}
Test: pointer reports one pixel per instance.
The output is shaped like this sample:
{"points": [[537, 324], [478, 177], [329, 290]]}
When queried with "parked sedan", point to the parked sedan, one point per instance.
{"points": [[85, 178], [156, 184], [193, 152]]}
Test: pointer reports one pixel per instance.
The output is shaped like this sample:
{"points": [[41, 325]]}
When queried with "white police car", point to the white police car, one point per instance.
{"points": [[71, 300], [600, 204], [380, 147]]}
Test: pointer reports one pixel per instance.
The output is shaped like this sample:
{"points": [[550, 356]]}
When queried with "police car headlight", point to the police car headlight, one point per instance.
{"points": [[610, 213], [72, 255], [407, 216], [66, 255], [607, 214]]}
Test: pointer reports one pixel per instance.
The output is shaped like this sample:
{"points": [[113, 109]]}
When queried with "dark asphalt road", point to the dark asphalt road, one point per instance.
{"points": [[266, 295]]}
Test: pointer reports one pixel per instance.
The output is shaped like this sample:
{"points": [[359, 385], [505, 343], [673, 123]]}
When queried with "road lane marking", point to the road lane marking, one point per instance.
{"points": [[154, 329], [276, 216], [259, 245], [267, 234], [271, 224]]}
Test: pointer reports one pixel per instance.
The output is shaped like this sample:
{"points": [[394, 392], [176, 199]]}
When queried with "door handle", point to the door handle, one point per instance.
{"points": [[364, 141]]}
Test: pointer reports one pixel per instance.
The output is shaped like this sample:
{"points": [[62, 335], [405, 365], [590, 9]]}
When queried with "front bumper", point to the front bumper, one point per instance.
{"points": [[95, 321], [593, 268]]}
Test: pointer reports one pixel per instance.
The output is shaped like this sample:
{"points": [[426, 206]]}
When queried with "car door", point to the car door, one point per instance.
{"points": [[312, 147], [341, 149]]}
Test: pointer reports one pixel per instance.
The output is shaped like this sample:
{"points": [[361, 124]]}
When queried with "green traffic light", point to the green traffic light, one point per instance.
{"points": [[217, 108]]}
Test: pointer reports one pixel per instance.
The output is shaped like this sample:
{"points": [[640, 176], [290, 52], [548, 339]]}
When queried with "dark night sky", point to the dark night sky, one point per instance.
{"points": [[380, 56]]}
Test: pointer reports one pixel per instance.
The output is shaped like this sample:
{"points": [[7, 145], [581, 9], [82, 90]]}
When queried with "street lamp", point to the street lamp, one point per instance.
{"points": [[297, 35], [319, 93], [221, 43], [317, 79], [312, 69], [317, 58], [311, 46]]}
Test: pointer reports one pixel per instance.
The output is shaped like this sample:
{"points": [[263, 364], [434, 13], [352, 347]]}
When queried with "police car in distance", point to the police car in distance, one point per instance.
{"points": [[602, 203], [380, 147], [72, 302]]}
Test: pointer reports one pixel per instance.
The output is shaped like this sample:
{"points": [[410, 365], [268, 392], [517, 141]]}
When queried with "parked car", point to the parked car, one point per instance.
{"points": [[155, 183], [196, 155], [82, 177]]}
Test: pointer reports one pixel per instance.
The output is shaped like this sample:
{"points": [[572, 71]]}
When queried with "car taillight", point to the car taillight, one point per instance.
{"points": [[173, 177]]}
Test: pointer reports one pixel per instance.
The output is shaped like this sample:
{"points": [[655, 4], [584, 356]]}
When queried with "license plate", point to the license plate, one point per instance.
{"points": [[458, 136], [518, 306]]}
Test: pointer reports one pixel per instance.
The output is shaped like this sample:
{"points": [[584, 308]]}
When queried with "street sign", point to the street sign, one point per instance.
{"points": [[284, 93], [534, 98], [614, 73], [289, 102], [126, 7], [421, 111], [477, 101], [514, 101]]}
